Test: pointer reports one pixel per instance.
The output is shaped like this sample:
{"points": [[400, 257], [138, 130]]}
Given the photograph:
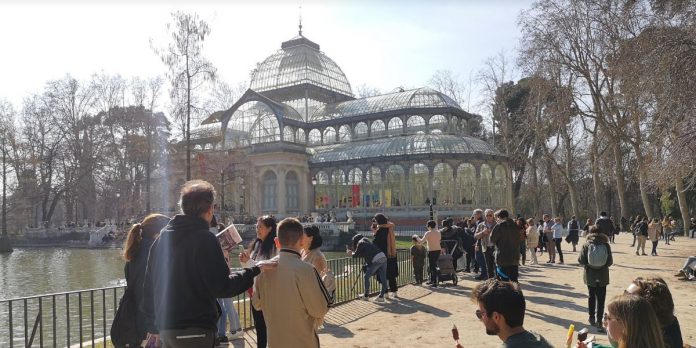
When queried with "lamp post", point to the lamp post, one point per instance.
{"points": [[241, 208], [118, 212], [314, 192]]}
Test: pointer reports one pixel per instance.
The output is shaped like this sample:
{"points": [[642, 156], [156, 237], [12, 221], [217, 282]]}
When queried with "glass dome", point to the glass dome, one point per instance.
{"points": [[402, 146], [299, 61]]}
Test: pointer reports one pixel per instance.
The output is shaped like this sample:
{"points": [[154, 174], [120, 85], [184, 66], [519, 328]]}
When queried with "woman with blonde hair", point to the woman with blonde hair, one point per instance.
{"points": [[630, 322], [135, 252]]}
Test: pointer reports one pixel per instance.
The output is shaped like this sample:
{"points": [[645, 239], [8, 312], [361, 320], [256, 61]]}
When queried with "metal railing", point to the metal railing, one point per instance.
{"points": [[83, 318]]}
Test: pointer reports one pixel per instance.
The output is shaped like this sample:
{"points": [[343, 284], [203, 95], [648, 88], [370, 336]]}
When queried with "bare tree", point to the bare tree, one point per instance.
{"points": [[364, 91], [188, 69], [7, 132]]}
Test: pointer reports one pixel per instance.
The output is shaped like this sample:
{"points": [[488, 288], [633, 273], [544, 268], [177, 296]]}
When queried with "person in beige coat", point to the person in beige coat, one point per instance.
{"points": [[293, 297]]}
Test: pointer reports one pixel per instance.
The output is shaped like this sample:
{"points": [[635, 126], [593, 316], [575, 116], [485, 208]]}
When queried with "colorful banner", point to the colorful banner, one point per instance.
{"points": [[356, 196]]}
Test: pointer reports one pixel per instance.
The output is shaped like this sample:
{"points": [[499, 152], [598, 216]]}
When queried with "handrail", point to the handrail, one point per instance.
{"points": [[84, 316]]}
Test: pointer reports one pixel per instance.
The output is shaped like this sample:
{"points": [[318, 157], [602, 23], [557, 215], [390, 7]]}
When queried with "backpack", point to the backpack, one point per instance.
{"points": [[574, 225], [124, 333], [597, 255], [329, 281]]}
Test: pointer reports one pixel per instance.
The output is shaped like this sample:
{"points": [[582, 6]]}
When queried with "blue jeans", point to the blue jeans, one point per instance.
{"points": [[481, 261], [380, 269], [228, 313]]}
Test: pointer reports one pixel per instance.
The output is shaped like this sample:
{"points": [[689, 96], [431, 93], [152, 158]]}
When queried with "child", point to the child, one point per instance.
{"points": [[418, 260]]}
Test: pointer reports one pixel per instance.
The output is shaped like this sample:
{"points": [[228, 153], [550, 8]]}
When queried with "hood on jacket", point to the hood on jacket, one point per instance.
{"points": [[597, 238]]}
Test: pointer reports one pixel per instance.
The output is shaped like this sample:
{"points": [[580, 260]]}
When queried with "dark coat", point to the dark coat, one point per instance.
{"points": [[596, 277], [381, 242], [186, 272], [135, 279]]}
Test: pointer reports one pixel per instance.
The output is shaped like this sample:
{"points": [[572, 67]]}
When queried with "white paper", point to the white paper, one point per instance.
{"points": [[229, 238]]}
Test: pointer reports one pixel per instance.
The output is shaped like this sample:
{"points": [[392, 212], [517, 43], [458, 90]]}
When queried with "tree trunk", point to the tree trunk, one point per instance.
{"points": [[5, 245], [535, 189], [620, 183], [681, 197], [552, 191], [641, 168], [596, 184]]}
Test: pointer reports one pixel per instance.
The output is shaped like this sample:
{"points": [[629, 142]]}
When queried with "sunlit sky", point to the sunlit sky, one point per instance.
{"points": [[382, 44]]}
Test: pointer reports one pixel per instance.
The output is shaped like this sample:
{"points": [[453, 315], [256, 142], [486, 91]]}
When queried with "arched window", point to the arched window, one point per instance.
{"points": [[377, 128], [360, 130], [322, 190], [372, 197], [329, 135], [253, 122], [443, 182], [292, 186], [288, 134], [500, 186], [415, 124], [466, 184], [355, 181], [269, 187], [340, 194], [438, 122], [486, 185], [395, 126], [418, 182], [344, 135], [300, 136], [395, 186], [314, 137]]}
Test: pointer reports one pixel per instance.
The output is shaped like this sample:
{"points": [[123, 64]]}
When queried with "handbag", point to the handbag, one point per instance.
{"points": [[124, 332]]}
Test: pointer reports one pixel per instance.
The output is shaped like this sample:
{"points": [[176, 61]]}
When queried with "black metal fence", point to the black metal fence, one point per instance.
{"points": [[83, 318]]}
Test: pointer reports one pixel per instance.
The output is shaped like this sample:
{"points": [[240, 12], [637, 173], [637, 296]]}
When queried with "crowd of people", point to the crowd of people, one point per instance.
{"points": [[183, 283]]}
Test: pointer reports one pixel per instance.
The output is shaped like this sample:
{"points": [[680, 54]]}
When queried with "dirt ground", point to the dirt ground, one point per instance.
{"points": [[556, 297]]}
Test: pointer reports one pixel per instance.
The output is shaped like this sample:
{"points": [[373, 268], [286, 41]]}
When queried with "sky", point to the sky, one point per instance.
{"points": [[382, 44]]}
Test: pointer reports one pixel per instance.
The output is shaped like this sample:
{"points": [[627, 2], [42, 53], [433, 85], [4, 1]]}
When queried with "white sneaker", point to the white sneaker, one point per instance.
{"points": [[380, 299], [395, 295], [386, 295], [236, 335], [364, 298]]}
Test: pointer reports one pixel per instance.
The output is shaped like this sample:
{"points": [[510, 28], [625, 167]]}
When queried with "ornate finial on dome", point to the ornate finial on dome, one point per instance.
{"points": [[300, 20]]}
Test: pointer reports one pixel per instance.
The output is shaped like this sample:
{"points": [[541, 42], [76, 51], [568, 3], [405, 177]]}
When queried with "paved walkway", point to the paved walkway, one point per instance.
{"points": [[556, 297]]}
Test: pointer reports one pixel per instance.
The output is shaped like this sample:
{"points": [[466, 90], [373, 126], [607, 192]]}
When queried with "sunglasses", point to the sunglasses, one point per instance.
{"points": [[479, 314]]}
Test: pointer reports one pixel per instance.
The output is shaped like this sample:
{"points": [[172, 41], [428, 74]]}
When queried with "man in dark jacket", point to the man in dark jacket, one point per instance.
{"points": [[186, 272], [506, 238], [605, 225]]}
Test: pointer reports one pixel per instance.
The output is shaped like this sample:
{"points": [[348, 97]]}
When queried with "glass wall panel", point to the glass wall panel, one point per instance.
{"points": [[292, 197], [340, 189], [269, 191], [486, 183], [466, 183], [443, 184], [314, 137], [395, 126], [394, 186], [438, 122], [253, 122], [372, 197], [323, 188], [360, 130], [418, 181], [355, 181], [300, 136], [289, 134], [415, 124], [500, 186], [377, 128], [329, 135], [344, 135]]}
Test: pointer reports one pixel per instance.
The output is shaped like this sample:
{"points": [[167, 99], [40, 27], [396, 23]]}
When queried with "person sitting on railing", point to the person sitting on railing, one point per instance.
{"points": [[135, 252], [186, 272]]}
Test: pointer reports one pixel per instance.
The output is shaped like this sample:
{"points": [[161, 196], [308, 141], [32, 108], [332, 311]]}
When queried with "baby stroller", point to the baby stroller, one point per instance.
{"points": [[445, 266]]}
